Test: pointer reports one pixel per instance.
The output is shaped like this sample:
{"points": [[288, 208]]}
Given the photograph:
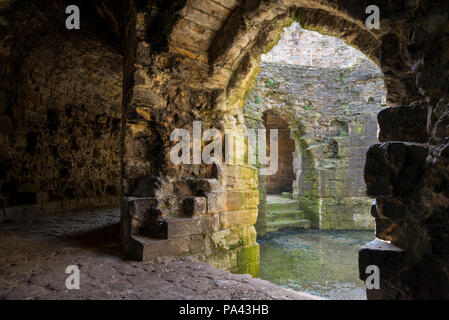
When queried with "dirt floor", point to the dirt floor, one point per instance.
{"points": [[35, 253]]}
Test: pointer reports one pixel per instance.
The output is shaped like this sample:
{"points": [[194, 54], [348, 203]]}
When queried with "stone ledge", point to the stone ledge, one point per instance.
{"points": [[143, 249]]}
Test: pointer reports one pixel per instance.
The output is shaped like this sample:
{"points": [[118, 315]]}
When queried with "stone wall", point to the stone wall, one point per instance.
{"points": [[298, 46], [60, 124], [331, 109], [207, 211], [198, 59]]}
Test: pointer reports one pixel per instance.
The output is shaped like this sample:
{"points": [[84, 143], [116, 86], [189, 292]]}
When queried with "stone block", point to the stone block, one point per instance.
{"points": [[238, 218], [223, 240], [344, 152], [404, 123], [182, 227], [247, 235], [143, 249], [363, 222], [197, 244], [254, 269], [248, 255], [216, 202], [358, 151], [238, 177], [357, 141], [251, 199], [217, 10], [52, 207], [325, 225], [386, 162], [202, 18], [19, 212], [237, 200], [356, 163], [202, 186], [388, 258], [224, 261]]}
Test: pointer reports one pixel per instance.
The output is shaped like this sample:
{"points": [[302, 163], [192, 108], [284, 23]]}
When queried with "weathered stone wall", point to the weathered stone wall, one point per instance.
{"points": [[60, 123], [198, 59], [204, 210], [331, 109]]}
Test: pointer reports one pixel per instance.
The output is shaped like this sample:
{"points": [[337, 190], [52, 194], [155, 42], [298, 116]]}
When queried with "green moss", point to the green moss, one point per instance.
{"points": [[254, 269], [343, 133], [249, 173], [246, 237], [311, 207], [311, 193], [326, 225], [309, 105], [311, 175], [244, 88], [315, 28], [248, 260], [271, 45], [269, 83], [281, 26]]}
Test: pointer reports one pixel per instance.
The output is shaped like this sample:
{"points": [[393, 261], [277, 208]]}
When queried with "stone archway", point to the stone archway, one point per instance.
{"points": [[200, 65], [328, 95], [212, 78], [215, 48]]}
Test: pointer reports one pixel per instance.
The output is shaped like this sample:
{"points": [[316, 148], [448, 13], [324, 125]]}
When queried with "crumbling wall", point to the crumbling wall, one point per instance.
{"points": [[203, 66], [61, 119], [197, 60]]}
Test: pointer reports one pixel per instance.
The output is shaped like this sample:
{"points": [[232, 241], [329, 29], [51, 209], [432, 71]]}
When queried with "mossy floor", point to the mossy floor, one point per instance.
{"points": [[318, 262]]}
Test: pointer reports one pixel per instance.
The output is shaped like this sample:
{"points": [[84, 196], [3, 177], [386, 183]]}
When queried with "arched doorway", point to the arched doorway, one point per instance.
{"points": [[324, 107], [281, 181], [191, 60], [217, 64]]}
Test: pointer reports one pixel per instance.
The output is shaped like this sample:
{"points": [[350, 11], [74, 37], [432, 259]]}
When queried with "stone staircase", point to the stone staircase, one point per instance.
{"points": [[283, 214]]}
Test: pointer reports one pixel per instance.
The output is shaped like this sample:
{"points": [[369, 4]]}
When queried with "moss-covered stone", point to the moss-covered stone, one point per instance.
{"points": [[248, 260]]}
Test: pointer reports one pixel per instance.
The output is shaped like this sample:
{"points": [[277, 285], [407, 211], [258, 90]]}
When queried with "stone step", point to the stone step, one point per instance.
{"points": [[287, 195], [285, 215], [142, 248], [282, 205], [287, 225]]}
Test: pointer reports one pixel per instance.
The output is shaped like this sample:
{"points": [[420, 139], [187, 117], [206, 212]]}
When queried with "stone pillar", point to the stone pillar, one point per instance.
{"points": [[206, 211], [137, 184]]}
